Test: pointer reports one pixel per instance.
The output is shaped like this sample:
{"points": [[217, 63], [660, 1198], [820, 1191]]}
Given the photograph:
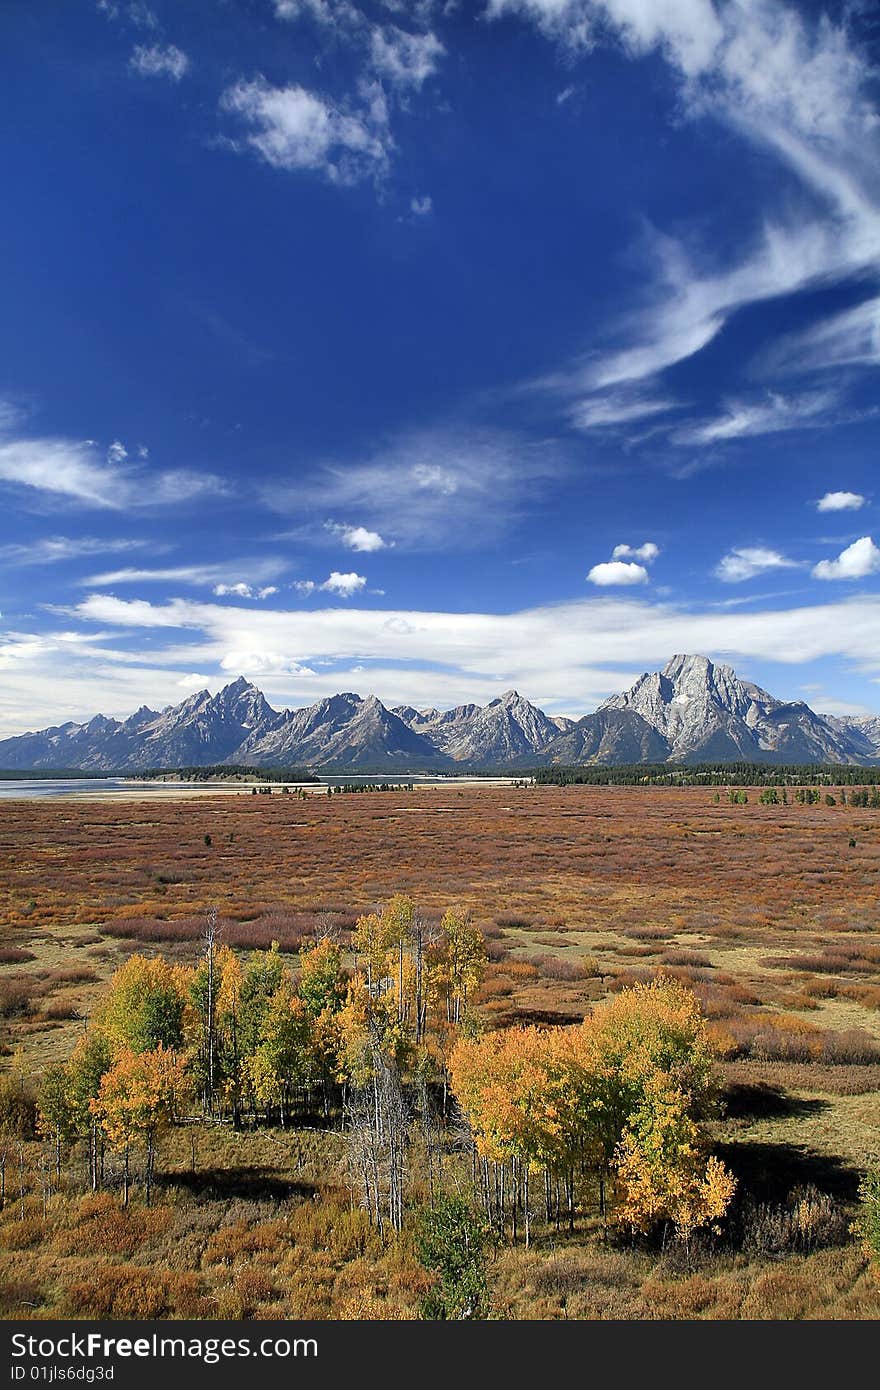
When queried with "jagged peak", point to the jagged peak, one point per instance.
{"points": [[240, 683], [683, 663]]}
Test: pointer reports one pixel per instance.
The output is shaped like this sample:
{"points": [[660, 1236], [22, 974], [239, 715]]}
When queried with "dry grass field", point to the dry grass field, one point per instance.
{"points": [[770, 913]]}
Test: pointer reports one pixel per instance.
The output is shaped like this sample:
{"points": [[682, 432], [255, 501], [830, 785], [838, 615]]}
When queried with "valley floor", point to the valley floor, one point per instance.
{"points": [[768, 912]]}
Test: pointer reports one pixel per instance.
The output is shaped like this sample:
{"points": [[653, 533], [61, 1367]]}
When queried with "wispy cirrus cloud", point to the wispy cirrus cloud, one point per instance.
{"points": [[786, 82], [847, 339], [611, 410], [773, 414], [747, 561], [50, 550], [223, 575], [76, 471], [439, 489]]}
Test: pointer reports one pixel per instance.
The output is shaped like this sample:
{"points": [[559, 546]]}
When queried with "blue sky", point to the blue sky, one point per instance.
{"points": [[428, 349]]}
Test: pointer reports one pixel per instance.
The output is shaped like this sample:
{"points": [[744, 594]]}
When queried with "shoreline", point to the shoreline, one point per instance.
{"points": [[136, 790]]}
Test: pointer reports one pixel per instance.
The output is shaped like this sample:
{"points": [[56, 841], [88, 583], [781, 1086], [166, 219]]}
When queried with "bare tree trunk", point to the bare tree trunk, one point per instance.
{"points": [[210, 939], [148, 1176]]}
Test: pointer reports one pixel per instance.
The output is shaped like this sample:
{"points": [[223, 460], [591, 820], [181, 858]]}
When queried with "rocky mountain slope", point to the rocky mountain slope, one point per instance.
{"points": [[694, 710], [706, 713]]}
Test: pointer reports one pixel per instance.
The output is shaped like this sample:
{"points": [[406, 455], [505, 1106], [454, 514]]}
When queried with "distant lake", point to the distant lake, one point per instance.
{"points": [[63, 786], [30, 788]]}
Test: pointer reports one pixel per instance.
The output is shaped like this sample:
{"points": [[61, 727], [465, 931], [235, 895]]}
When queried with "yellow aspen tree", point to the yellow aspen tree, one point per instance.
{"points": [[141, 1093]]}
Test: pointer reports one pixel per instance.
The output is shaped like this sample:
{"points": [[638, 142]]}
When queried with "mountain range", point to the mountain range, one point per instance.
{"points": [[694, 710]]}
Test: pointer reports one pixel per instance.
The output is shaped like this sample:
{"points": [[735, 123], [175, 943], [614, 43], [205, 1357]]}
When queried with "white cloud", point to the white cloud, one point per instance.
{"points": [[304, 586], [154, 60], [242, 590], [848, 339], [216, 575], [252, 664], [787, 82], [357, 537], [292, 128], [771, 416], [438, 489], [645, 553], [840, 502], [613, 572], [188, 574], [72, 469], [335, 14], [857, 561], [616, 408], [568, 655], [744, 562], [405, 60], [53, 549], [689, 31], [345, 585], [420, 207]]}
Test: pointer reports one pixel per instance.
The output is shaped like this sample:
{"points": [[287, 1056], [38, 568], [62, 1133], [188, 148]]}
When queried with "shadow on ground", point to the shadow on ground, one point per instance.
{"points": [[252, 1183], [769, 1172], [762, 1101]]}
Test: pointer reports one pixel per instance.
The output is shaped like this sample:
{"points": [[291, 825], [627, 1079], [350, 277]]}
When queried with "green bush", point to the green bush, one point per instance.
{"points": [[452, 1244], [867, 1223]]}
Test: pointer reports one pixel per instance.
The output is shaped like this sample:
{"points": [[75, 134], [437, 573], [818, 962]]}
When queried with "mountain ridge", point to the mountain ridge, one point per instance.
{"points": [[692, 710]]}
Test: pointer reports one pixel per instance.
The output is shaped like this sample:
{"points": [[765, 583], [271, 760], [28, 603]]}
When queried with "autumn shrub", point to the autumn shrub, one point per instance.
{"points": [[513, 920], [17, 994], [101, 1226], [255, 1286], [570, 1271], [238, 1242], [59, 1013], [120, 1291], [18, 1296], [683, 957], [22, 1234], [808, 1220], [788, 1038], [850, 1047], [497, 951], [288, 928], [557, 967], [649, 933], [15, 955], [72, 975]]}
